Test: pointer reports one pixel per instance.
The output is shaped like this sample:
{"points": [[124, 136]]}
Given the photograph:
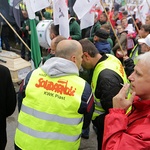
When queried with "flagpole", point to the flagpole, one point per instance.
{"points": [[132, 17], [41, 14], [113, 29], [15, 32]]}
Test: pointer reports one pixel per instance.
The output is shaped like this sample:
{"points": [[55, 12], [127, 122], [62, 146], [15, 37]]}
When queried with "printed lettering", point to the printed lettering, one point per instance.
{"points": [[49, 94], [61, 13], [60, 86], [60, 97], [43, 74], [121, 70]]}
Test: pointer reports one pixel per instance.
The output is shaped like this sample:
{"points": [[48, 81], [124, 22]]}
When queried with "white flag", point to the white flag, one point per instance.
{"points": [[38, 5], [87, 20], [31, 13], [118, 2], [109, 3], [55, 11], [61, 17], [142, 11], [81, 7]]}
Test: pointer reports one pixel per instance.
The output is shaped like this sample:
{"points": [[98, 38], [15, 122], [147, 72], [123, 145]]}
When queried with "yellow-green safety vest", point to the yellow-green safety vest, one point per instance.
{"points": [[111, 63], [49, 118], [134, 53]]}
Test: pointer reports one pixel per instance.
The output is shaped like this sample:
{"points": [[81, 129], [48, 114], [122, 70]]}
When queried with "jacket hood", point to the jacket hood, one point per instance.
{"points": [[56, 67]]}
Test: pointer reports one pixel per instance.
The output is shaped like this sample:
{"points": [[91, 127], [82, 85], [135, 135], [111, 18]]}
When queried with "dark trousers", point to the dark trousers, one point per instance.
{"points": [[99, 124], [4, 37], [23, 49], [3, 141]]}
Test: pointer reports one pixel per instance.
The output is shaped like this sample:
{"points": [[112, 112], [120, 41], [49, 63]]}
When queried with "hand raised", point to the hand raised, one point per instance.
{"points": [[121, 101]]}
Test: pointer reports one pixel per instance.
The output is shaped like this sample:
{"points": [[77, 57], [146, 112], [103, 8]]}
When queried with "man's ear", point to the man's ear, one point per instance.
{"points": [[73, 58], [53, 35], [86, 55], [96, 38]]}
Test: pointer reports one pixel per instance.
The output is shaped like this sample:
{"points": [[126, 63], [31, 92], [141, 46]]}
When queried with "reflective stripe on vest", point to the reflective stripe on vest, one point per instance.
{"points": [[49, 115], [111, 63], [47, 135]]}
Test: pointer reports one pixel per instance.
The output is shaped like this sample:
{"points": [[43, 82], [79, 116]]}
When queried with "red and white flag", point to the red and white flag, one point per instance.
{"points": [[88, 19], [142, 11], [82, 7]]}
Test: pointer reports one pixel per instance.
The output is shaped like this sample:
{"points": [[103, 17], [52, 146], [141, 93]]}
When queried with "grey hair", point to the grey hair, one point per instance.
{"points": [[145, 58]]}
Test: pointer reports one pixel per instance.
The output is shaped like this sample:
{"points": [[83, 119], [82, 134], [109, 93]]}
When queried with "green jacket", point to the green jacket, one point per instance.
{"points": [[93, 29], [47, 15], [26, 32], [75, 32]]}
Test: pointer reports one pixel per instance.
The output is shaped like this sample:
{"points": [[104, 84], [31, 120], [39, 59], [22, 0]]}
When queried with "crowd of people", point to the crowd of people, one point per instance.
{"points": [[100, 75]]}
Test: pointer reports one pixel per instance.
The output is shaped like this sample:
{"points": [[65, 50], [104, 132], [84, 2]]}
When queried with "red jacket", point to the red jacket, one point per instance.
{"points": [[130, 132]]}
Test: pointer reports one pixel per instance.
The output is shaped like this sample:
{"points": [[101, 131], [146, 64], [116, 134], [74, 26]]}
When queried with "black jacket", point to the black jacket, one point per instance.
{"points": [[7, 102], [108, 85]]}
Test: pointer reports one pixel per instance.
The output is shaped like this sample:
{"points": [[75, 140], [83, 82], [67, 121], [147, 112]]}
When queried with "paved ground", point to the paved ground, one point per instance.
{"points": [[86, 144]]}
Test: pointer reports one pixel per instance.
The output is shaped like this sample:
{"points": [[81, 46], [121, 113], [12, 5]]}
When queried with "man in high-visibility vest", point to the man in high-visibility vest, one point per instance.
{"points": [[56, 102], [107, 78]]}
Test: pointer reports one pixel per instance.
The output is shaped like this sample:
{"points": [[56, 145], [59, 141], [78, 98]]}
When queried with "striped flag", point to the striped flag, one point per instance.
{"points": [[35, 47]]}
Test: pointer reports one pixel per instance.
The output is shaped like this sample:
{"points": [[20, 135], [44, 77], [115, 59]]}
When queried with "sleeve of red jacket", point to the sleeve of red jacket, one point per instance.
{"points": [[116, 136]]}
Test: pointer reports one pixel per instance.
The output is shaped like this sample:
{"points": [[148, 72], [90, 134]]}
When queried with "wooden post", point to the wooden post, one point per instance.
{"points": [[41, 14], [15, 32], [132, 17], [113, 29]]}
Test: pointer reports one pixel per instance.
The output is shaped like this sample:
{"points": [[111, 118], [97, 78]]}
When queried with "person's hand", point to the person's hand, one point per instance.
{"points": [[121, 101], [120, 53], [125, 57], [27, 27]]}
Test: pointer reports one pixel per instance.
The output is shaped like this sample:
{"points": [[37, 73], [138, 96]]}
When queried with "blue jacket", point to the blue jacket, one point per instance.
{"points": [[103, 47]]}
